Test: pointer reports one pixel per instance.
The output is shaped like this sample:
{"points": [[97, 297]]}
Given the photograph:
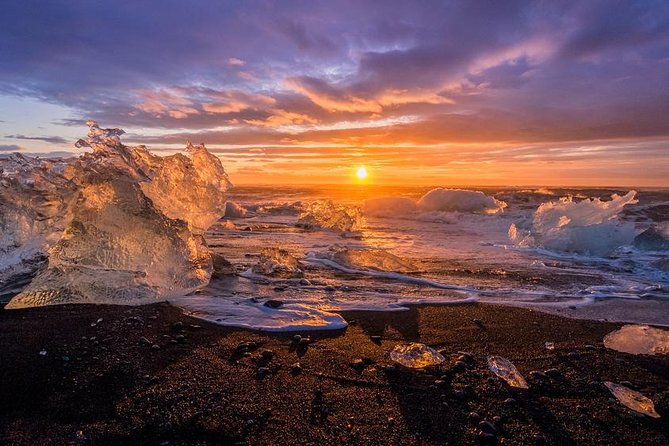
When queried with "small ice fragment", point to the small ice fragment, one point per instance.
{"points": [[505, 369], [416, 356], [638, 340], [550, 346], [632, 399], [42, 352]]}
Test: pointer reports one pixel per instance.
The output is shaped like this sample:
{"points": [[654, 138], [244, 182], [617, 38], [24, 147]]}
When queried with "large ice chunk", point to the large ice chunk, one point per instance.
{"points": [[121, 245], [186, 186], [589, 226], [638, 340], [36, 204]]}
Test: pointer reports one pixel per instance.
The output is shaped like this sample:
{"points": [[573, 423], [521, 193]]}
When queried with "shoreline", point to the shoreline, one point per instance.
{"points": [[106, 383]]}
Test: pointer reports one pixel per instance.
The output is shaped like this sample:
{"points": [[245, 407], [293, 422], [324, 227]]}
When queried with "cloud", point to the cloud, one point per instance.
{"points": [[49, 139], [10, 148], [236, 62], [353, 72]]}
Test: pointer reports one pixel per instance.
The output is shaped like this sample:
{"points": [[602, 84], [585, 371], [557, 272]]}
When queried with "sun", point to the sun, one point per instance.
{"points": [[361, 173]]}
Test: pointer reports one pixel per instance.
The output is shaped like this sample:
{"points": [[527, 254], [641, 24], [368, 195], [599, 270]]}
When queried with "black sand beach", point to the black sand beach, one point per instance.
{"points": [[152, 376]]}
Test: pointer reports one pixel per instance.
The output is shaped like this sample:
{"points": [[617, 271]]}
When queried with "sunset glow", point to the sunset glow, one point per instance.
{"points": [[361, 173], [449, 93]]}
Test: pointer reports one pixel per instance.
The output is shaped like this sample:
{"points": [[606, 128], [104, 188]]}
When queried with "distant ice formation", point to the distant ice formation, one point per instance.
{"points": [[118, 224], [436, 200], [589, 227], [276, 261], [460, 200], [326, 214], [234, 210]]}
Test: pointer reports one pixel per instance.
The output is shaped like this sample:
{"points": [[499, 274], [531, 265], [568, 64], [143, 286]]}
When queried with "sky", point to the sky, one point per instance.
{"points": [[424, 92]]}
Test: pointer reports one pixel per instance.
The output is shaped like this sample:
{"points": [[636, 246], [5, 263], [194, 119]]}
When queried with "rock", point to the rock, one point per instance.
{"points": [[178, 325], [460, 394], [465, 357], [195, 326], [478, 322], [376, 339], [273, 303], [474, 418], [486, 438], [179, 338], [261, 372], [487, 427], [297, 338], [459, 366], [144, 341], [267, 354], [509, 401], [305, 341], [330, 288], [358, 364], [538, 374], [155, 347], [540, 440], [553, 373], [296, 368]]}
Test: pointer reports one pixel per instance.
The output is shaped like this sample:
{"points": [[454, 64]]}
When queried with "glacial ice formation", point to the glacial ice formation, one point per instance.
{"points": [[416, 356], [132, 222], [632, 399], [326, 214], [460, 200], [375, 259], [638, 340], [234, 210], [505, 369], [277, 262], [435, 201], [36, 204], [589, 227]]}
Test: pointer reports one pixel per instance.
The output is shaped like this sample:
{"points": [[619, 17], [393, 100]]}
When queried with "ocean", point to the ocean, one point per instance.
{"points": [[298, 255]]}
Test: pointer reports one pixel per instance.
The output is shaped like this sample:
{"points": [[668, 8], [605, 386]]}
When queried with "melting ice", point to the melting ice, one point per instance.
{"points": [[118, 224]]}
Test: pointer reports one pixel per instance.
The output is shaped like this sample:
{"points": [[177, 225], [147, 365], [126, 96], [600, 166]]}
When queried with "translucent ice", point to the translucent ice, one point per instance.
{"points": [[416, 356], [326, 214], [505, 369], [589, 226], [639, 340], [632, 399], [275, 261], [187, 187], [36, 204], [119, 245], [376, 259]]}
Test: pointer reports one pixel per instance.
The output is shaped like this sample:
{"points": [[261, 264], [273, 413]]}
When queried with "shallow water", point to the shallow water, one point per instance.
{"points": [[403, 255]]}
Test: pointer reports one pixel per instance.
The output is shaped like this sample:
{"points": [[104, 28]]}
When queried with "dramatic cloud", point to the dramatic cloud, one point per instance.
{"points": [[420, 76], [49, 139]]}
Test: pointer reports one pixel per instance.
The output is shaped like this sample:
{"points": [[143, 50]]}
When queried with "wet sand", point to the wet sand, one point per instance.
{"points": [[150, 375]]}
